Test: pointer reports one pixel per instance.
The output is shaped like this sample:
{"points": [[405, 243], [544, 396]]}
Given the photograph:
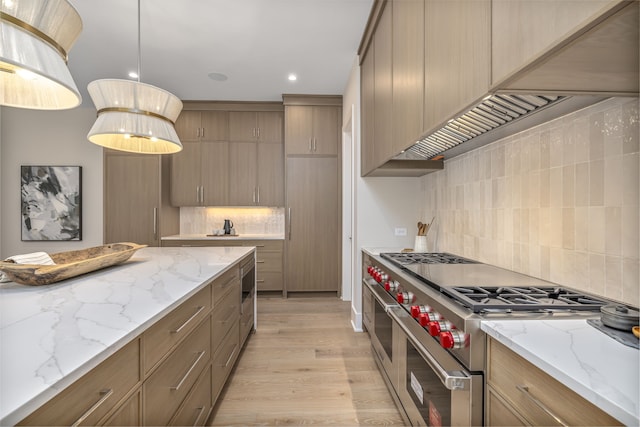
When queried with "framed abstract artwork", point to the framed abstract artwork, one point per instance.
{"points": [[51, 202]]}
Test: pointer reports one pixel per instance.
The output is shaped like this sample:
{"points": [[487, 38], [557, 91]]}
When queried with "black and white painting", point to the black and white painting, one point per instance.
{"points": [[51, 202]]}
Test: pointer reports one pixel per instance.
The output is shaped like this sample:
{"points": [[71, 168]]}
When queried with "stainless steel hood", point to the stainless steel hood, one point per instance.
{"points": [[495, 117]]}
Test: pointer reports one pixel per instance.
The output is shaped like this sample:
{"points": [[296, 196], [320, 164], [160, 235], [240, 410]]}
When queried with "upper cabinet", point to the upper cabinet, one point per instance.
{"points": [[312, 129], [583, 46], [203, 126], [457, 57], [263, 126]]}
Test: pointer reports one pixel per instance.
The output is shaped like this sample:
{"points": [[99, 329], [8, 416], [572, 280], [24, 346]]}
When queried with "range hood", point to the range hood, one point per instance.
{"points": [[495, 117]]}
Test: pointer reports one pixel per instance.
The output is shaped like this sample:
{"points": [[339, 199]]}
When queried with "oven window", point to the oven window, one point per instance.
{"points": [[430, 396], [383, 325]]}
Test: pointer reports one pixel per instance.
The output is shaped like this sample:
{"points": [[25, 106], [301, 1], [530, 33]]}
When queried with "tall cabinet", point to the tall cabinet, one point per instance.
{"points": [[136, 198], [312, 147]]}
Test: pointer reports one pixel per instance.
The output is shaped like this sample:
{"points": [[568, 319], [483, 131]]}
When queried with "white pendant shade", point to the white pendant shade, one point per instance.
{"points": [[134, 117], [35, 38]]}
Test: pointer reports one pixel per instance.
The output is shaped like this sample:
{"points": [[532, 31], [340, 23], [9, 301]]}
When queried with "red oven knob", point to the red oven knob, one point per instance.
{"points": [[437, 326], [383, 277], [454, 339], [416, 310], [406, 297], [425, 318], [370, 270], [391, 285]]}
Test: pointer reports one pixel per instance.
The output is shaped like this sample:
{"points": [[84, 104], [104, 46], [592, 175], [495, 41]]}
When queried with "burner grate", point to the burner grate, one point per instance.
{"points": [[408, 258], [488, 298]]}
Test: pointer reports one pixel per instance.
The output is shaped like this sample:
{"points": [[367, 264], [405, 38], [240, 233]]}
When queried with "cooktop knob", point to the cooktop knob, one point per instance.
{"points": [[454, 339], [425, 318], [391, 285], [406, 297], [437, 326], [416, 310]]}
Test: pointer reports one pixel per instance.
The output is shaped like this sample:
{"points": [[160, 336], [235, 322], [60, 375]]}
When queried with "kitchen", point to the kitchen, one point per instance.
{"points": [[484, 209]]}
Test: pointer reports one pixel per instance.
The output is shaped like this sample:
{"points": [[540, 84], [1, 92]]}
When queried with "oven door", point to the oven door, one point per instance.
{"points": [[434, 388], [381, 332]]}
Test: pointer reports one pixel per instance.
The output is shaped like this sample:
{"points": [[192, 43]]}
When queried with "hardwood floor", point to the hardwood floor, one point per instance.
{"points": [[305, 365]]}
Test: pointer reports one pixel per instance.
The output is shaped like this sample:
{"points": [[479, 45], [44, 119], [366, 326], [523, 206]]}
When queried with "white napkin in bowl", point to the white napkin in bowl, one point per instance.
{"points": [[41, 258]]}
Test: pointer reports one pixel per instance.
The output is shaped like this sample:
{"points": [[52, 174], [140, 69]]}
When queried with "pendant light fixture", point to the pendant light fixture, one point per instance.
{"points": [[35, 39], [133, 116]]}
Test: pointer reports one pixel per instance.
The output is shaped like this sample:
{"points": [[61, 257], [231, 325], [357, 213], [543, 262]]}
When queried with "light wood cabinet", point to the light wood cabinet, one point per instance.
{"points": [[129, 413], [96, 394], [583, 45], [519, 393], [224, 358], [457, 58], [197, 407], [256, 174], [367, 117], [408, 52], [269, 258], [313, 235], [367, 308], [202, 126], [312, 129], [136, 198], [383, 87], [262, 126]]}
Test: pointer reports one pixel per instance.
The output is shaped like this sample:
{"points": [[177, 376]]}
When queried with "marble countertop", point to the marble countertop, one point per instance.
{"points": [[52, 335], [238, 237], [598, 368]]}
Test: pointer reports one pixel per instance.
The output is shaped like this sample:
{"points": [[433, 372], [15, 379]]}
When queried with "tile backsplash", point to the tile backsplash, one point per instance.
{"points": [[558, 201], [245, 220]]}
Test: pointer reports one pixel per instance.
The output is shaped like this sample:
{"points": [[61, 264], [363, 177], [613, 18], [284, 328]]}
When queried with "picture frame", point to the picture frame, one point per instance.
{"points": [[51, 203]]}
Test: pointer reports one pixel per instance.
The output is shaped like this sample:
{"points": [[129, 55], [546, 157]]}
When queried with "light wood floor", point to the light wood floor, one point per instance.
{"points": [[305, 365]]}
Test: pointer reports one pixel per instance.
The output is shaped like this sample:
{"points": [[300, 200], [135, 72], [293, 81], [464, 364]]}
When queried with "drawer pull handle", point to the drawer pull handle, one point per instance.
{"points": [[177, 331], [259, 262], [260, 280], [201, 411], [177, 387], [231, 356], [259, 246], [524, 389], [106, 394]]}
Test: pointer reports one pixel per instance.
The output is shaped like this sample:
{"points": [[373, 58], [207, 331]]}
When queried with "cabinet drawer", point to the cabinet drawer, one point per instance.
{"points": [[229, 282], [533, 393], [197, 406], [91, 397], [224, 358], [246, 319], [225, 315], [129, 413], [269, 281], [269, 261], [172, 328], [265, 245], [500, 413], [165, 390]]}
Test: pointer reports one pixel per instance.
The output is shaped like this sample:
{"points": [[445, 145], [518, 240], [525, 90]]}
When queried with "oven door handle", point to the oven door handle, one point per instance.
{"points": [[381, 296], [452, 380]]}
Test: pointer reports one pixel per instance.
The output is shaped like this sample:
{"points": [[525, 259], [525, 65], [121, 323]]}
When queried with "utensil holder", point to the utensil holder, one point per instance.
{"points": [[420, 244]]}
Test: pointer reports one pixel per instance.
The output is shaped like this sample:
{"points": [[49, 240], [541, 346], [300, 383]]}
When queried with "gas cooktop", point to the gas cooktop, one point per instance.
{"points": [[407, 258], [506, 299]]}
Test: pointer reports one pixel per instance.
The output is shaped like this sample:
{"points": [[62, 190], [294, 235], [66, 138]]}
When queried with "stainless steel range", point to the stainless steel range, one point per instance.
{"points": [[423, 312]]}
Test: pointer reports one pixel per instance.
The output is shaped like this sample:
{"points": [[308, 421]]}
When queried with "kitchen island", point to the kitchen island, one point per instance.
{"points": [[50, 336]]}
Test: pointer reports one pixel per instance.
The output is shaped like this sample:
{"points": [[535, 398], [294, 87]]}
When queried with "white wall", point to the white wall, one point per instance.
{"points": [[58, 138], [380, 205]]}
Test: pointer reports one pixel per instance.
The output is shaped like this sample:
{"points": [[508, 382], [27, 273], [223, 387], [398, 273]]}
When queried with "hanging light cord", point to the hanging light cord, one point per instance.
{"points": [[139, 50]]}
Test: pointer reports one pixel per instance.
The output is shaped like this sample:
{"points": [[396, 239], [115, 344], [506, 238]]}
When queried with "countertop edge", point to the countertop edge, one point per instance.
{"points": [[223, 238]]}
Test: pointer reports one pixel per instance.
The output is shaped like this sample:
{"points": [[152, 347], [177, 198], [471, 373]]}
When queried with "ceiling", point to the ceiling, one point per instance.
{"points": [[255, 43]]}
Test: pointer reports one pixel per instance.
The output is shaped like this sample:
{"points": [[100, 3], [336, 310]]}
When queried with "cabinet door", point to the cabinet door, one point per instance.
{"points": [[408, 72], [326, 130], [131, 198], [368, 159], [383, 82], [270, 184], [185, 175], [453, 82], [299, 130], [188, 126], [215, 126], [242, 174], [270, 126], [215, 172], [243, 126], [524, 29], [313, 248]]}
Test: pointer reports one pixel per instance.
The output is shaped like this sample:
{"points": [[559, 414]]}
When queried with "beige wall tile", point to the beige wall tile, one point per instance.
{"points": [[630, 232], [596, 274], [613, 277], [631, 179], [555, 190], [613, 231], [581, 186], [581, 128], [596, 183], [568, 228], [597, 224], [545, 149], [596, 136], [581, 218], [568, 186], [613, 181], [630, 280], [631, 127]]}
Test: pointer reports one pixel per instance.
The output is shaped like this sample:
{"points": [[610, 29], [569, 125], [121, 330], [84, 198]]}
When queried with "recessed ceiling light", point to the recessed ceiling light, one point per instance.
{"points": [[219, 77], [292, 77], [133, 74]]}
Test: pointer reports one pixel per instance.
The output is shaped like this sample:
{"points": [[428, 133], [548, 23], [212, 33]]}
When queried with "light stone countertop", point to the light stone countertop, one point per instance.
{"points": [[238, 237], [597, 367], [52, 335]]}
